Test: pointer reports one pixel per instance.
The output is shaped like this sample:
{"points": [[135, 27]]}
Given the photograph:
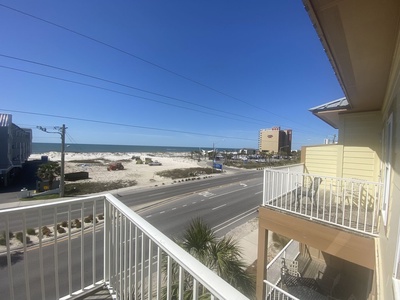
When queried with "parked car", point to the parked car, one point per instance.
{"points": [[155, 163], [115, 166]]}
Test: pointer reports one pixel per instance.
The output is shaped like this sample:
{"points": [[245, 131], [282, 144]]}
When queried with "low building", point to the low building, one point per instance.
{"points": [[15, 148]]}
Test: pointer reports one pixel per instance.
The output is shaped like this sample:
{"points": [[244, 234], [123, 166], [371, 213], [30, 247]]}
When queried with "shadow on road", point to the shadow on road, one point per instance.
{"points": [[15, 257]]}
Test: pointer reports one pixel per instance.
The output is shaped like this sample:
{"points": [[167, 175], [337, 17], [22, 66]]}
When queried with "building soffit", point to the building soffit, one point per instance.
{"points": [[359, 37]]}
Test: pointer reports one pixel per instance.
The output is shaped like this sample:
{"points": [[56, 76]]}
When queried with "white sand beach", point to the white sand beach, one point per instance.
{"points": [[144, 174]]}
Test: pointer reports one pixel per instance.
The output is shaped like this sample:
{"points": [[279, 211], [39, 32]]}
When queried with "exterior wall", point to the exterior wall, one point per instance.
{"points": [[269, 140], [389, 242], [323, 160], [358, 153], [275, 140], [361, 133]]}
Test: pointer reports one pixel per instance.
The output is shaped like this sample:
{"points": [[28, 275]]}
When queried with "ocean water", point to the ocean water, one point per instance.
{"points": [[47, 147]]}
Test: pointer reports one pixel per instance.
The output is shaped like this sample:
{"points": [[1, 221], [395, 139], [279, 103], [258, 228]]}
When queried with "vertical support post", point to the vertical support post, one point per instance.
{"points": [[261, 262], [62, 161]]}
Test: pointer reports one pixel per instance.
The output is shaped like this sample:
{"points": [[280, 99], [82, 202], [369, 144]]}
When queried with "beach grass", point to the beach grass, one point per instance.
{"points": [[185, 173], [82, 188]]}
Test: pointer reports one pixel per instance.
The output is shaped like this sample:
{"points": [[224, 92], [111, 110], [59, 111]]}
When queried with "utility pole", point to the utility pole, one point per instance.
{"points": [[60, 131], [62, 161]]}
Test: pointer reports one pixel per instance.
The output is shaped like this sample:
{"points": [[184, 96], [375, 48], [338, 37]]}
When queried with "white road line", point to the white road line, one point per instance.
{"points": [[219, 206], [184, 205], [161, 212], [258, 193], [173, 208], [194, 202], [235, 219], [157, 194], [149, 216]]}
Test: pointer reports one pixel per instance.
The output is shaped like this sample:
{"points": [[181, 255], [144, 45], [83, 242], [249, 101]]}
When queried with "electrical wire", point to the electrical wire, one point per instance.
{"points": [[125, 125], [146, 61], [131, 87]]}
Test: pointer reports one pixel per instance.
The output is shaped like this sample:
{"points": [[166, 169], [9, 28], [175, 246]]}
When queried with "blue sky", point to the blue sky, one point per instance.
{"points": [[171, 73]]}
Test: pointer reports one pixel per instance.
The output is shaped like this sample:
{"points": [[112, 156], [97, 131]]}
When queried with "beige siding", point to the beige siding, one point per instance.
{"points": [[359, 162], [323, 159]]}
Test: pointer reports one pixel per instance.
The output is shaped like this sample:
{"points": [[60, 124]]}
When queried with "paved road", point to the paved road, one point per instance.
{"points": [[223, 202]]}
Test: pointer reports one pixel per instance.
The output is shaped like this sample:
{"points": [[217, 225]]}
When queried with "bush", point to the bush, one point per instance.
{"points": [[101, 217], [31, 231], [20, 237], [87, 220], [64, 224], [46, 231], [61, 230], [139, 161], [78, 224], [10, 235], [2, 241]]}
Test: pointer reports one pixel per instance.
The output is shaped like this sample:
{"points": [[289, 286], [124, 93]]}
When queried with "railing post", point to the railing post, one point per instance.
{"points": [[106, 257]]}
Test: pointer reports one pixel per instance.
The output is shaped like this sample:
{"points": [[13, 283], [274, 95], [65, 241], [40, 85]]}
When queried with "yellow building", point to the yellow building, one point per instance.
{"points": [[275, 141], [340, 207]]}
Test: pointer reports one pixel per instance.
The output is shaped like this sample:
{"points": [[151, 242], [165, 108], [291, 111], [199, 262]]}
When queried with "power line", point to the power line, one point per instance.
{"points": [[257, 121], [130, 87], [126, 125], [146, 61], [119, 92]]}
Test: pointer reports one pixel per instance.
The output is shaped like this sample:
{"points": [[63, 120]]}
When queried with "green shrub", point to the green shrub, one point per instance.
{"points": [[87, 220], [10, 235], [64, 224], [78, 224], [2, 241], [101, 216], [61, 230], [31, 231], [20, 237], [46, 231], [139, 161]]}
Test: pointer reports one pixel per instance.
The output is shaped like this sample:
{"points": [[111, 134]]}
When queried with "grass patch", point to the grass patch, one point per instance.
{"points": [[95, 161], [74, 189], [43, 197], [255, 165], [184, 173]]}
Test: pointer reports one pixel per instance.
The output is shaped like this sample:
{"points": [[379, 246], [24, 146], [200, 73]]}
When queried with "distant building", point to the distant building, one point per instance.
{"points": [[275, 140], [15, 148]]}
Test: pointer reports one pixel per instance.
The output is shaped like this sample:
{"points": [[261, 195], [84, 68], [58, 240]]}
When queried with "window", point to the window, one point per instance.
{"points": [[387, 168]]}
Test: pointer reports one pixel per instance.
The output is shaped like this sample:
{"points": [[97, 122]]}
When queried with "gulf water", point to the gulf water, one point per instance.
{"points": [[85, 148]]}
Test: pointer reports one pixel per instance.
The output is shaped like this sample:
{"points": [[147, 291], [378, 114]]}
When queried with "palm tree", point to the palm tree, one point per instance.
{"points": [[49, 172], [222, 256]]}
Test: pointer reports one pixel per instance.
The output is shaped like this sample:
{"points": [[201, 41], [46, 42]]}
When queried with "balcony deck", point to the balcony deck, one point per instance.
{"points": [[348, 203]]}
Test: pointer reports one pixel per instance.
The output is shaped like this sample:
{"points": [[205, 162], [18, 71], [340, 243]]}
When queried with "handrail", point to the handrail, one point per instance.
{"points": [[345, 202]]}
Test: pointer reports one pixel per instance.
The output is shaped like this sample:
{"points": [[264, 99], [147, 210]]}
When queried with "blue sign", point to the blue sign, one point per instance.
{"points": [[217, 166]]}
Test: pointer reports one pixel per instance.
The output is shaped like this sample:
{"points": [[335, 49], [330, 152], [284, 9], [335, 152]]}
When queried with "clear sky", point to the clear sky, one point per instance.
{"points": [[168, 73]]}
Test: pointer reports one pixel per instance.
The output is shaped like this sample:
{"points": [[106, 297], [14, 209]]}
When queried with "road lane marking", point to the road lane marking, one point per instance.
{"points": [[235, 219], [206, 194], [173, 208], [204, 184], [157, 194], [258, 193], [219, 206]]}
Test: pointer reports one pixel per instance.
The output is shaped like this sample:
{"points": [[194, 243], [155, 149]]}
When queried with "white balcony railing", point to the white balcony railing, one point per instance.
{"points": [[349, 203], [104, 244], [273, 278]]}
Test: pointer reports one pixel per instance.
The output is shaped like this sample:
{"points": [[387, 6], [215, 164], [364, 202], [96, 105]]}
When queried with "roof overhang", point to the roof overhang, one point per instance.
{"points": [[329, 112], [359, 37]]}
